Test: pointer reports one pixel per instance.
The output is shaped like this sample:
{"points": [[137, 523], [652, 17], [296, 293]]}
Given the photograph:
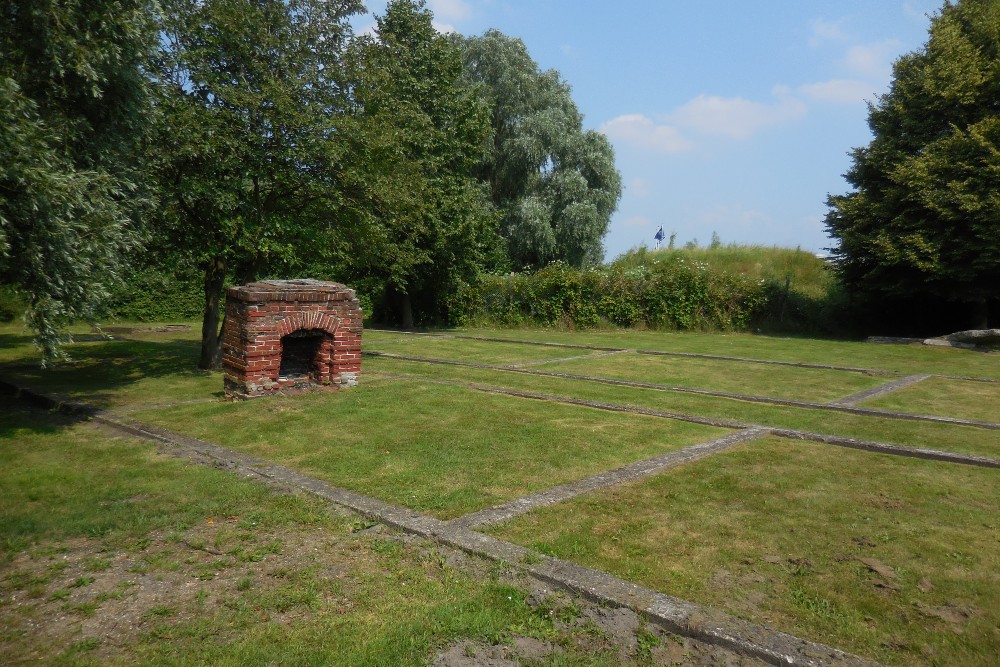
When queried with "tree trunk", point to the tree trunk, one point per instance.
{"points": [[211, 342], [405, 311], [981, 314]]}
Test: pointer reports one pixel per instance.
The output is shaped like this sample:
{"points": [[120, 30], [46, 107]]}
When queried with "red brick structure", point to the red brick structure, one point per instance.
{"points": [[290, 335]]}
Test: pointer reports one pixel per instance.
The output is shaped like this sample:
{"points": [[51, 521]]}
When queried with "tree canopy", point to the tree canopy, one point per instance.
{"points": [[924, 218], [555, 183], [72, 110], [247, 151], [258, 139], [428, 224]]}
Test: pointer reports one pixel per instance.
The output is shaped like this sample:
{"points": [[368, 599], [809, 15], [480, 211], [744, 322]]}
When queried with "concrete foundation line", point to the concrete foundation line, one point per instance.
{"points": [[634, 471], [542, 362], [792, 434], [695, 355], [886, 448], [671, 614], [674, 615], [750, 398], [881, 390], [664, 353]]}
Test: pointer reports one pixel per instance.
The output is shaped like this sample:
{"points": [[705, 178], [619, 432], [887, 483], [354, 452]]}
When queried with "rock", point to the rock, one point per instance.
{"points": [[976, 336], [973, 339]]}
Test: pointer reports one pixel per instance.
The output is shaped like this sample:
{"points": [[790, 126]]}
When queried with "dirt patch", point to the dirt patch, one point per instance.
{"points": [[82, 595], [956, 616], [61, 594]]}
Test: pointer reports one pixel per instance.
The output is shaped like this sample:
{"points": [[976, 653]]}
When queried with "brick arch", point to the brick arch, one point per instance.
{"points": [[310, 320]]}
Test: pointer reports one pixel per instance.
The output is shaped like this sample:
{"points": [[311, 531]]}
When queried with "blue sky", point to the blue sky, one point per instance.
{"points": [[726, 116]]}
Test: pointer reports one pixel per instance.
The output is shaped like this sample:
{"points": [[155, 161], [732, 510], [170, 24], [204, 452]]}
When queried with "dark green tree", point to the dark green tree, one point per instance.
{"points": [[428, 224], [248, 152], [924, 217], [73, 103], [556, 184]]}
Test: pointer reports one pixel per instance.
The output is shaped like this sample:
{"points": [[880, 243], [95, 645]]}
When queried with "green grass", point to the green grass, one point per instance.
{"points": [[940, 396], [231, 573], [773, 530], [903, 359], [808, 274], [945, 437], [805, 384], [155, 367], [62, 479], [462, 350], [431, 447]]}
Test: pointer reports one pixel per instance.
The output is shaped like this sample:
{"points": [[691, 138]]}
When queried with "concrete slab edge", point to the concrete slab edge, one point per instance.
{"points": [[750, 398], [674, 615], [792, 434], [881, 390], [694, 355], [497, 514]]}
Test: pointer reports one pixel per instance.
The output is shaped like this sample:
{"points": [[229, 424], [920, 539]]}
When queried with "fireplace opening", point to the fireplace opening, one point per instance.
{"points": [[298, 354]]}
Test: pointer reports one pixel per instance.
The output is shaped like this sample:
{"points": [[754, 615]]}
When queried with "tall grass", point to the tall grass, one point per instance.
{"points": [[730, 287], [806, 273]]}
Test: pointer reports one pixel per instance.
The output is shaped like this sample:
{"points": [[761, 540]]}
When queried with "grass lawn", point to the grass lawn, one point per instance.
{"points": [[805, 384], [893, 558], [141, 369], [941, 396], [896, 559], [432, 447], [904, 359], [453, 349], [112, 554], [945, 437]]}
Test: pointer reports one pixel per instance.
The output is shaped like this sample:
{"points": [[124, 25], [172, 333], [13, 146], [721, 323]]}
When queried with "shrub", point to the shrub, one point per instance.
{"points": [[672, 294]]}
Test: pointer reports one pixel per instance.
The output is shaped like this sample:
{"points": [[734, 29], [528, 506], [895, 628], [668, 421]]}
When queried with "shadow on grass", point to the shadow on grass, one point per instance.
{"points": [[110, 373]]}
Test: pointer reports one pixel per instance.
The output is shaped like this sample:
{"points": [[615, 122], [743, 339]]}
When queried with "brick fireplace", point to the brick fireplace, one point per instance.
{"points": [[290, 336]]}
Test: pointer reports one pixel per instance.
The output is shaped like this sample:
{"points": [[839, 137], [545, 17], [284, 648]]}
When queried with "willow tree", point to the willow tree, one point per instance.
{"points": [[924, 216], [554, 182], [73, 103]]}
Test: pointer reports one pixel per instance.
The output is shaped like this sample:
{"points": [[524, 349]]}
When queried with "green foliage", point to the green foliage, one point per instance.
{"points": [[922, 221], [246, 149], [72, 101], [158, 294], [11, 303], [555, 183], [426, 224], [808, 274], [674, 294]]}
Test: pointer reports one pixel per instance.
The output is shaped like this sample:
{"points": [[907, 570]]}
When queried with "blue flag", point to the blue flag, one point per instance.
{"points": [[659, 235]]}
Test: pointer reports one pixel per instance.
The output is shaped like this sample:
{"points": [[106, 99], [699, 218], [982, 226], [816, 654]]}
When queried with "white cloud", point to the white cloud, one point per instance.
{"points": [[827, 31], [708, 115], [737, 117], [638, 187], [840, 91], [450, 10], [640, 131], [872, 61], [443, 28]]}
